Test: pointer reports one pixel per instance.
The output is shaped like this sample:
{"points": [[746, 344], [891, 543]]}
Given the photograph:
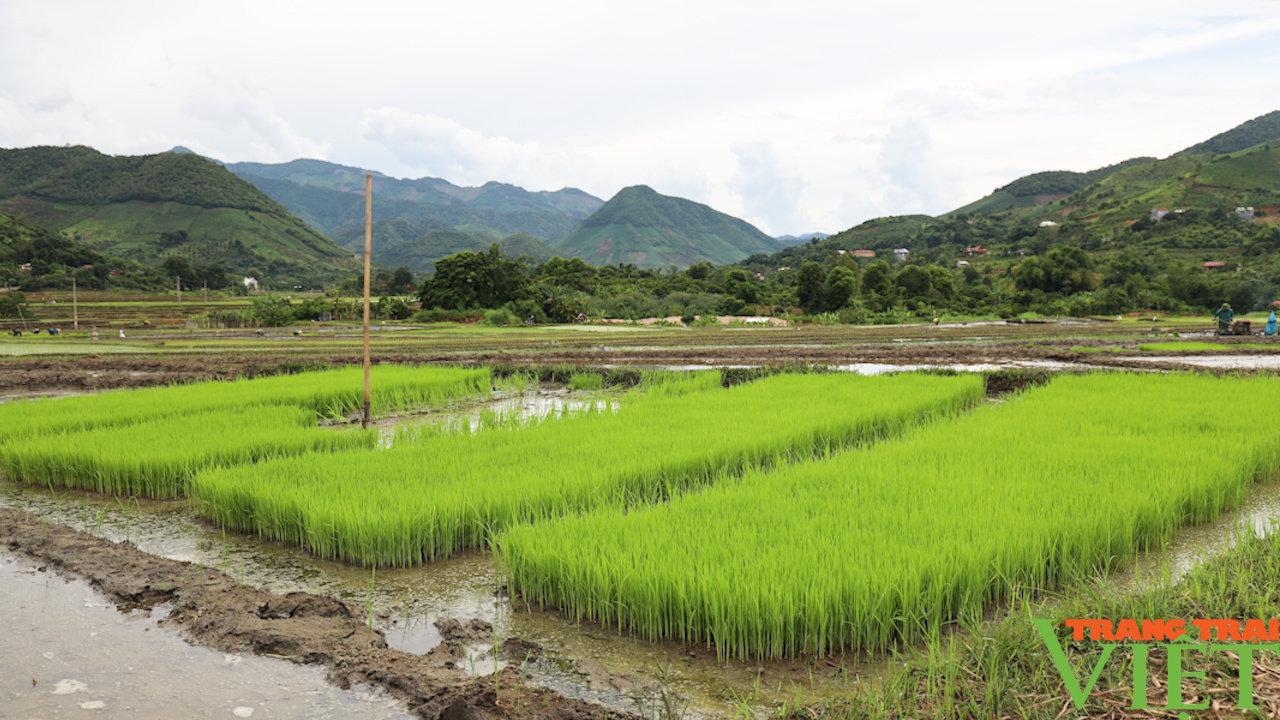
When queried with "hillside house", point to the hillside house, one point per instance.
{"points": [[1214, 265], [1157, 214], [864, 253], [962, 263], [901, 253], [251, 283], [1244, 213], [1048, 223], [976, 250]]}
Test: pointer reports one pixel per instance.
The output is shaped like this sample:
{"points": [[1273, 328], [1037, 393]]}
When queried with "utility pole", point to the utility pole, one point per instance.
{"points": [[368, 251], [75, 306], [177, 281]]}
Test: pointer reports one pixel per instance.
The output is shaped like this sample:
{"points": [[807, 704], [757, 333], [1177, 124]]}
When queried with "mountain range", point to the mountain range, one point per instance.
{"points": [[1236, 168], [144, 208], [303, 220]]}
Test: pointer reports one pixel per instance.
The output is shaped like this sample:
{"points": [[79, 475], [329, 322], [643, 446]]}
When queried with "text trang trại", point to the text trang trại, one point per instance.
{"points": [[1243, 638]]}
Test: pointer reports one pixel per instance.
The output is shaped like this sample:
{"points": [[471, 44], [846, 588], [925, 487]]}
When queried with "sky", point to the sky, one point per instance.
{"points": [[796, 116]]}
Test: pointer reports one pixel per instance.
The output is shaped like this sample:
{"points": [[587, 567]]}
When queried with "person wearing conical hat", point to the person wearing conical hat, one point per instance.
{"points": [[1224, 316], [1271, 323]]}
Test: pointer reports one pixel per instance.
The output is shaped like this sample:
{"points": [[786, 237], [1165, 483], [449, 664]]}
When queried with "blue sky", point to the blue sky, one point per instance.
{"points": [[798, 116]]}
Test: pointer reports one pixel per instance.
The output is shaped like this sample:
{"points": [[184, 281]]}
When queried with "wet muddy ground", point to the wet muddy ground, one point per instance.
{"points": [[214, 610]]}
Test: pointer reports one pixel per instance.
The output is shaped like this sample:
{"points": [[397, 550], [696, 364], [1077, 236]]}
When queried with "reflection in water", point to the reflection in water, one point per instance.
{"points": [[67, 650]]}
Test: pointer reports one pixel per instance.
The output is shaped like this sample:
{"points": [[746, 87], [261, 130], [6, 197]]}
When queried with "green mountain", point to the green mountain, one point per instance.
{"points": [[330, 197], [36, 258], [641, 227], [147, 207], [1261, 129], [1041, 188], [1104, 210], [401, 243]]}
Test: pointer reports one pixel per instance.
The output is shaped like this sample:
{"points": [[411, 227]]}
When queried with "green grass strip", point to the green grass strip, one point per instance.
{"points": [[1203, 347], [412, 504], [873, 546], [157, 459], [325, 393]]}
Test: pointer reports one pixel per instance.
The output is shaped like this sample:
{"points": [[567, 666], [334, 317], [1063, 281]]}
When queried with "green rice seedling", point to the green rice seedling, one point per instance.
{"points": [[1189, 346], [586, 381], [411, 504], [894, 542], [157, 459], [327, 393]]}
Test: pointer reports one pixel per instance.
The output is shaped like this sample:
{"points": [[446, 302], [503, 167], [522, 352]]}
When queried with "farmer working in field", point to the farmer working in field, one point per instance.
{"points": [[1224, 316]]}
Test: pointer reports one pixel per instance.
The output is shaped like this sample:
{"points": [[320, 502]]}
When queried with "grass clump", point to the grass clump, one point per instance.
{"points": [[586, 381]]}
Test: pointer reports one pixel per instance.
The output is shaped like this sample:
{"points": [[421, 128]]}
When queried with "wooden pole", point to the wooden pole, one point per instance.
{"points": [[75, 306], [368, 251], [177, 282]]}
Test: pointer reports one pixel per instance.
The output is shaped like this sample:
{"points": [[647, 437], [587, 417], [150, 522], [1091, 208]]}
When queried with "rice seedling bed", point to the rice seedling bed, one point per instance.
{"points": [[325, 393], [872, 547], [411, 504], [157, 459], [1189, 346]]}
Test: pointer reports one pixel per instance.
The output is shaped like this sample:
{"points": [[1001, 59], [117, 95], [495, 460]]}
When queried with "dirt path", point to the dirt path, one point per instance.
{"points": [[214, 610]]}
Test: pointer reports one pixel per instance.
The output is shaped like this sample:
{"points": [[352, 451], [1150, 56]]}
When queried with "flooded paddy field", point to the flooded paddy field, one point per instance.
{"points": [[125, 660], [414, 608]]}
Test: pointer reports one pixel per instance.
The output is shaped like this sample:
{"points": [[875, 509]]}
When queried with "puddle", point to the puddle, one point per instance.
{"points": [[68, 650], [1193, 546], [1243, 362], [881, 368]]}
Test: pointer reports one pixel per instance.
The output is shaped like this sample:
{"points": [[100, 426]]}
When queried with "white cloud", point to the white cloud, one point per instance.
{"points": [[770, 191], [245, 117], [444, 148]]}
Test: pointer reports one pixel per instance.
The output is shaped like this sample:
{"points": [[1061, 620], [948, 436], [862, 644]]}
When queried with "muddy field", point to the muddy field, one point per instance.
{"points": [[215, 610]]}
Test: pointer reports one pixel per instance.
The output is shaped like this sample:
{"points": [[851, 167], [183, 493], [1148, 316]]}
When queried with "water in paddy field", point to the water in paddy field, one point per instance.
{"points": [[580, 660], [68, 651], [1232, 362], [1193, 546]]}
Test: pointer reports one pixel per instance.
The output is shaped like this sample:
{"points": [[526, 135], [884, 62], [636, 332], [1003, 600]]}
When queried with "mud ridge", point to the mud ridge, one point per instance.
{"points": [[214, 610]]}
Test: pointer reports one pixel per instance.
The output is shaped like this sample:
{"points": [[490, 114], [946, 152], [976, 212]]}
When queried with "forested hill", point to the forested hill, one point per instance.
{"points": [[146, 208], [331, 198], [80, 175], [416, 246], [34, 257], [641, 227], [1264, 128], [1041, 188]]}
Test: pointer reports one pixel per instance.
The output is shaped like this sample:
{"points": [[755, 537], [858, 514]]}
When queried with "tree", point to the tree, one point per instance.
{"points": [[1064, 269], [915, 281], [401, 279], [877, 279], [272, 310], [468, 280], [176, 266], [842, 283], [213, 276], [811, 287]]}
